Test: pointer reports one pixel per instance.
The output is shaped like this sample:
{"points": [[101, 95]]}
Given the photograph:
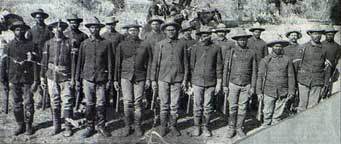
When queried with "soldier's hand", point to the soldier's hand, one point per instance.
{"points": [[78, 85], [147, 85], [154, 85], [217, 88], [43, 81], [184, 85], [34, 86], [226, 90], [290, 96], [116, 85], [251, 91], [108, 85]]}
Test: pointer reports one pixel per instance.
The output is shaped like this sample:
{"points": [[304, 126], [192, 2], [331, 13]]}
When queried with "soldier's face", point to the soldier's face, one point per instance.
{"points": [[171, 32], [257, 33], [205, 37], [74, 25], [19, 32], [277, 49], [111, 27], [242, 42], [293, 37], [94, 29], [188, 34], [330, 36], [39, 19], [155, 25], [316, 36], [57, 30], [133, 32], [221, 34]]}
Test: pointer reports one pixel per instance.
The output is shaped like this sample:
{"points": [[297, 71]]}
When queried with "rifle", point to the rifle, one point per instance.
{"points": [[260, 101], [327, 91], [190, 94], [118, 100], [153, 99], [45, 95], [228, 78]]}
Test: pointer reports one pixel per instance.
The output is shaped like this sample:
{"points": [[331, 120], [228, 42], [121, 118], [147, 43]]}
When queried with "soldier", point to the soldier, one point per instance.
{"points": [[57, 72], [133, 59], [226, 44], [150, 39], [239, 80], [293, 47], [170, 74], [332, 48], [275, 82], [187, 36], [313, 69], [257, 44], [94, 67], [206, 69], [111, 34], [39, 34], [19, 73], [3, 87]]}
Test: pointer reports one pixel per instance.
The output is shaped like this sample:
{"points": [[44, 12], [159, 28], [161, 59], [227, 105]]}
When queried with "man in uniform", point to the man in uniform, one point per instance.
{"points": [[77, 37], [150, 39], [239, 80], [39, 34], [133, 59], [57, 55], [187, 36], [275, 82], [170, 74], [112, 34], [19, 73], [226, 44], [95, 68], [206, 68], [313, 69], [257, 44], [333, 50], [293, 47]]}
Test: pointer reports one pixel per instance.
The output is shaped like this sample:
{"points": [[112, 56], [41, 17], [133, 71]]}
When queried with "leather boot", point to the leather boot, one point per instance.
{"points": [[239, 125], [174, 129], [90, 128], [128, 122], [68, 127], [56, 122], [101, 122], [163, 121], [197, 128], [206, 130], [231, 131], [20, 129]]}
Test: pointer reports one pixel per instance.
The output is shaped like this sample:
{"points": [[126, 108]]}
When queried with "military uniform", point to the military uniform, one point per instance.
{"points": [[170, 67], [259, 46], [133, 61], [19, 71], [279, 83], [311, 75], [291, 50], [3, 87], [206, 69]]}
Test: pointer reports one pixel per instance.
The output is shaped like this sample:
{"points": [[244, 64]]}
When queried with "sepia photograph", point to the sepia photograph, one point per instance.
{"points": [[170, 72]]}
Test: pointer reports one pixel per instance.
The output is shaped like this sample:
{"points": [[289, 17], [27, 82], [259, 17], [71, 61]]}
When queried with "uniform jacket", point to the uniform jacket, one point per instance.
{"points": [[291, 50], [206, 64], [259, 46], [333, 50], [279, 78], [225, 44]]}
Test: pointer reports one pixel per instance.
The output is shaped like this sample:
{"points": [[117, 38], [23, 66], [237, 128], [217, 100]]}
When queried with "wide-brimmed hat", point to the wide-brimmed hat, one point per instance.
{"points": [[299, 34], [41, 12], [330, 29], [19, 24], [240, 33], [204, 30], [281, 42], [111, 20], [74, 17], [155, 19], [315, 28], [135, 24], [59, 23], [256, 28], [189, 28], [94, 21], [170, 23], [221, 28]]}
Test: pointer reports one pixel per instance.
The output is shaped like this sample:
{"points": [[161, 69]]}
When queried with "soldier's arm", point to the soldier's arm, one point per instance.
{"points": [[254, 72], [327, 69], [155, 62], [226, 70], [117, 63], [150, 60], [44, 60], [186, 62], [261, 73], [219, 67], [291, 79], [4, 65], [111, 61], [266, 51], [36, 59], [192, 59], [80, 62]]}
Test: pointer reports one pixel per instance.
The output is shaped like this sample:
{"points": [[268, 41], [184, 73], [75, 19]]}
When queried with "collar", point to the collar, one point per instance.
{"points": [[131, 38], [241, 49], [96, 39], [273, 55], [40, 26], [171, 40]]}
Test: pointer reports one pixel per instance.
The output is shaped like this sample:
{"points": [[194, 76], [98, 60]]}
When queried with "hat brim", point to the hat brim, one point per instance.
{"points": [[88, 25], [111, 23], [132, 26], [176, 25], [330, 31], [253, 29], [222, 30], [299, 34], [203, 32], [77, 20], [311, 31], [63, 25], [13, 27], [241, 36], [45, 15], [158, 20], [283, 43]]}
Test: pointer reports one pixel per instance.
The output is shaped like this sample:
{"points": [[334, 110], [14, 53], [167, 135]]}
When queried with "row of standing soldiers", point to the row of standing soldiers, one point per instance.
{"points": [[65, 59]]}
